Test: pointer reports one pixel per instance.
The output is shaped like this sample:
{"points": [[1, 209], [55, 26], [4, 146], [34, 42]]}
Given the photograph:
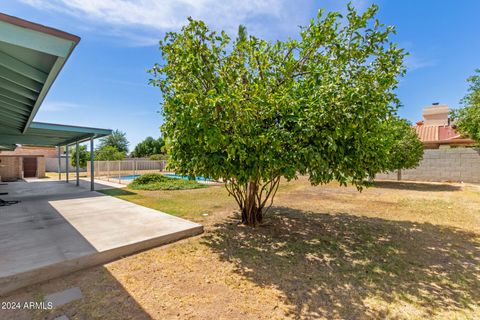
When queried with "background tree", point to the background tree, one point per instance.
{"points": [[406, 150], [250, 112], [148, 147], [109, 153], [84, 156], [161, 156], [467, 119], [117, 139]]}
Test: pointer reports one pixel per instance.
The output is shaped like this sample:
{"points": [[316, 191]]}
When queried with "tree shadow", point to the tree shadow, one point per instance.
{"points": [[415, 186], [332, 266]]}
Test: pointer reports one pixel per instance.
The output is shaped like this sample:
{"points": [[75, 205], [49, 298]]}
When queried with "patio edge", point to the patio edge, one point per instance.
{"points": [[9, 284]]}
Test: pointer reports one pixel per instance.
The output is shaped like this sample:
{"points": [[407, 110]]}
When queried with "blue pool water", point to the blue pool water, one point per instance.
{"points": [[170, 175], [129, 177], [176, 176]]}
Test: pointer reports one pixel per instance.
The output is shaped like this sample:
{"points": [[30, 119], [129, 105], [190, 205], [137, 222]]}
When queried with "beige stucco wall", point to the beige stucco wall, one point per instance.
{"points": [[455, 165], [436, 115]]}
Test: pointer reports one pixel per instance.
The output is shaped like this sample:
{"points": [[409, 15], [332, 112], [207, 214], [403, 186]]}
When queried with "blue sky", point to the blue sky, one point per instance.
{"points": [[104, 83]]}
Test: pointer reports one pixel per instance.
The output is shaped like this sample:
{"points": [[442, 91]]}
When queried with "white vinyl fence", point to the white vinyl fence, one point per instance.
{"points": [[123, 171]]}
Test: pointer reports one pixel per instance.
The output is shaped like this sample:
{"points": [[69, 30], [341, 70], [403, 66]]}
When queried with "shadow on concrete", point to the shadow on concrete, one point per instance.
{"points": [[42, 239], [36, 235], [331, 265], [415, 186]]}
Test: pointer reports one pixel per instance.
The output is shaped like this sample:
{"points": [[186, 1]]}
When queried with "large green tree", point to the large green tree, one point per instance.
{"points": [[148, 147], [117, 139], [467, 119], [406, 149], [83, 154], [109, 153], [250, 112]]}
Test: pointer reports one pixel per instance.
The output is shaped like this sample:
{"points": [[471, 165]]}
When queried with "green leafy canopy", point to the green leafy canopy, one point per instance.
{"points": [[109, 153], [83, 155], [249, 111], [467, 119], [117, 139], [112, 147], [406, 149], [149, 147]]}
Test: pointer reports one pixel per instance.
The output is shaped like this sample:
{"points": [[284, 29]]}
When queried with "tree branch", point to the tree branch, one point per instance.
{"points": [[277, 184]]}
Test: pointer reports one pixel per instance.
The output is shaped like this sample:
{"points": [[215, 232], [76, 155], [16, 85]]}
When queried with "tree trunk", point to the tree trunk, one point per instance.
{"points": [[252, 217], [252, 212], [253, 198], [399, 175]]}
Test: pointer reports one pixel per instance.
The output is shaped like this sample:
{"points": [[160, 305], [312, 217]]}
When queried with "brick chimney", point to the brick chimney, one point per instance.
{"points": [[436, 115]]}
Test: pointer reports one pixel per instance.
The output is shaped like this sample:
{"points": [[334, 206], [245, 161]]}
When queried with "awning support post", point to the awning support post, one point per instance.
{"points": [[59, 164], [92, 168], [66, 164], [77, 155]]}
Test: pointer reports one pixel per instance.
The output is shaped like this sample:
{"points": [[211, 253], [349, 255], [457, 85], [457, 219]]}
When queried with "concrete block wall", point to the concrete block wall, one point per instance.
{"points": [[10, 168], [441, 165], [47, 152], [40, 167]]}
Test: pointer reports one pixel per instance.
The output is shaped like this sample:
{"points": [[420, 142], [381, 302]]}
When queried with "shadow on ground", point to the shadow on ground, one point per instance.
{"points": [[333, 265], [415, 186], [104, 298]]}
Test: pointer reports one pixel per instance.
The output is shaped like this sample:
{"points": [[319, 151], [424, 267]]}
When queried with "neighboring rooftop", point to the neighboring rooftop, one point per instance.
{"points": [[436, 115], [437, 129]]}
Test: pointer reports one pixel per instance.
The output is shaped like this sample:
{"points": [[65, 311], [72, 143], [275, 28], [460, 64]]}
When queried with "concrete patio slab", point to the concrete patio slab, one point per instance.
{"points": [[58, 228]]}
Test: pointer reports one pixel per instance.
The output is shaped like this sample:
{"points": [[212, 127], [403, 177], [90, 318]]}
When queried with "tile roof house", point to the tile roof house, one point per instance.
{"points": [[436, 130]]}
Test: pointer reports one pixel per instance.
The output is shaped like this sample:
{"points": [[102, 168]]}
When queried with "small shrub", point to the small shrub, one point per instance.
{"points": [[157, 181], [150, 178]]}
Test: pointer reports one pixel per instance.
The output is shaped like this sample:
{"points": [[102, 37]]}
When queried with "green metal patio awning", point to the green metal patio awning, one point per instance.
{"points": [[31, 57], [7, 147], [50, 134]]}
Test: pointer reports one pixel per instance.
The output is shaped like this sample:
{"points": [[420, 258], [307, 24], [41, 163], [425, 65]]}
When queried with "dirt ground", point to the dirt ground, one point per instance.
{"points": [[394, 251]]}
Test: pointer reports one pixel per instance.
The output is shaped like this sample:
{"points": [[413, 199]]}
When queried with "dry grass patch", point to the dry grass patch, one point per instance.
{"points": [[394, 251]]}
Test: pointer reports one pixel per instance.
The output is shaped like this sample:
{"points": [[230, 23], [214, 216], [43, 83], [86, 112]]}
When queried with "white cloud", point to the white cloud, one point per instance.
{"points": [[59, 106], [143, 19], [413, 61], [143, 22]]}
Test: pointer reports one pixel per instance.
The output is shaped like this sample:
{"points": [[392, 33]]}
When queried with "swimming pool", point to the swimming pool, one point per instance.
{"points": [[176, 176], [129, 177], [170, 175]]}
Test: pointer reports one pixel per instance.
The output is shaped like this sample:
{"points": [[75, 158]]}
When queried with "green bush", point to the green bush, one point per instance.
{"points": [[157, 181], [150, 178]]}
